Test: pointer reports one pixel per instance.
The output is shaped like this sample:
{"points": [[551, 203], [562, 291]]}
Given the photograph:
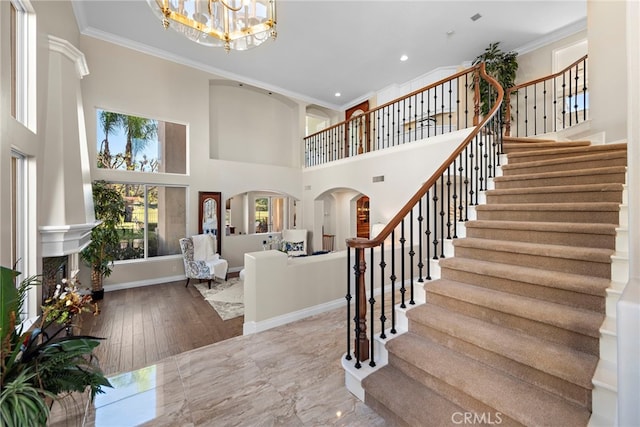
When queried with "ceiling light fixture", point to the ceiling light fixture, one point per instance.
{"points": [[338, 94], [233, 24], [404, 58]]}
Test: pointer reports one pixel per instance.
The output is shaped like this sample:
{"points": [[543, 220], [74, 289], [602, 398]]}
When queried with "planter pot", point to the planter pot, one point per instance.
{"points": [[97, 295]]}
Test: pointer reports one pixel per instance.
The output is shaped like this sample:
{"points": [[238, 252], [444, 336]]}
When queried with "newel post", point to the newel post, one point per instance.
{"points": [[361, 341]]}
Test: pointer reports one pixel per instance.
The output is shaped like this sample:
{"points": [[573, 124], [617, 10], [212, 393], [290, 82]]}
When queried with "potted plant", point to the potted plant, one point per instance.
{"points": [[41, 364], [99, 255], [500, 65]]}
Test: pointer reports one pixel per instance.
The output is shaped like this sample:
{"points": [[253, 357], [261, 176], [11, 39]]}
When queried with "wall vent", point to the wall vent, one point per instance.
{"points": [[379, 178], [307, 187]]}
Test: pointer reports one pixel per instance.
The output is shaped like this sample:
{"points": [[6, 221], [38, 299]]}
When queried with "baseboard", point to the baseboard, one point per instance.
{"points": [[140, 283], [253, 327]]}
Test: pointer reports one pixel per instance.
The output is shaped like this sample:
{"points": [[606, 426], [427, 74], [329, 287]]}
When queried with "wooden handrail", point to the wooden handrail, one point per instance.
{"points": [[362, 243], [515, 88]]}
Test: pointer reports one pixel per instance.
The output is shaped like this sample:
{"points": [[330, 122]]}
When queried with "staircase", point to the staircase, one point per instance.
{"points": [[510, 333]]}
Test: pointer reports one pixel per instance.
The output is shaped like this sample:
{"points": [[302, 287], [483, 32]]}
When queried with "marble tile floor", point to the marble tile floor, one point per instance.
{"points": [[287, 376]]}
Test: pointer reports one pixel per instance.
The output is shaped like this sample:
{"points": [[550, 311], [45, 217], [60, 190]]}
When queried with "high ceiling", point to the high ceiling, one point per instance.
{"points": [[351, 47]]}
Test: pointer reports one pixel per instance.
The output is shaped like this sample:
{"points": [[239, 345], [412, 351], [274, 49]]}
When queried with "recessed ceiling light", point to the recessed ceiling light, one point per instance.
{"points": [[450, 32], [404, 58], [338, 94], [476, 17]]}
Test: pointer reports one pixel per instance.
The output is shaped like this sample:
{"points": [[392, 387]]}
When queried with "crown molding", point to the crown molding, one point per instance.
{"points": [[56, 44], [555, 36]]}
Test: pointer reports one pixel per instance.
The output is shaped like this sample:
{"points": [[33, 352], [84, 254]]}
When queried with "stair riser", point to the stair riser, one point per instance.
{"points": [[554, 155], [559, 296], [598, 178], [600, 217], [552, 384], [609, 347], [540, 330], [566, 166], [602, 241], [455, 395], [576, 266], [557, 197]]}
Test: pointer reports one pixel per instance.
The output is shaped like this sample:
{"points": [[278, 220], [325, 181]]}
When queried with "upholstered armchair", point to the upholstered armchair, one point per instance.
{"points": [[201, 262]]}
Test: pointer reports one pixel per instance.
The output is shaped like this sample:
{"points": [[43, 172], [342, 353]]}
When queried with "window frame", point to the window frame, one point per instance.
{"points": [[23, 63]]}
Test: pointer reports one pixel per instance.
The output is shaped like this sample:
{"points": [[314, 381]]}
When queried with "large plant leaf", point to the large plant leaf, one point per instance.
{"points": [[8, 300]]}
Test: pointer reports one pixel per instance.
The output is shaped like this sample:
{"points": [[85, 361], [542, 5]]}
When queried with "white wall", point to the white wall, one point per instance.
{"points": [[119, 81], [253, 126], [606, 24]]}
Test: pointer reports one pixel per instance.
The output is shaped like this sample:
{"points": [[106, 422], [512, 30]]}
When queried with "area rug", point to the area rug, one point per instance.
{"points": [[226, 298]]}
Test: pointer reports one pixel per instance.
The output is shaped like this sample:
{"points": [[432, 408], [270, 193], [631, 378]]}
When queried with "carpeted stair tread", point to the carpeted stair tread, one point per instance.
{"points": [[577, 227], [560, 152], [552, 207], [535, 276], [558, 360], [602, 187], [570, 163], [562, 174], [516, 399], [414, 403], [526, 140], [566, 252], [580, 321], [508, 146]]}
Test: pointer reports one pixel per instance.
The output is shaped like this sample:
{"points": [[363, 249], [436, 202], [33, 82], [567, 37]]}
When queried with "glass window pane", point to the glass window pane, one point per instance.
{"points": [[141, 144]]}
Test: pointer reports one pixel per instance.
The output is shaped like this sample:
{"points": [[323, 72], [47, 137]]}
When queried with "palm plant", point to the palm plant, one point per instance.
{"points": [[500, 65], [139, 132], [110, 209], [39, 365]]}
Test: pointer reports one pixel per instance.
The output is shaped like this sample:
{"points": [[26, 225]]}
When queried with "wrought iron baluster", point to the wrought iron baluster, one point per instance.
{"points": [[420, 259], [372, 305], [411, 256], [402, 250], [383, 317], [393, 281], [348, 298]]}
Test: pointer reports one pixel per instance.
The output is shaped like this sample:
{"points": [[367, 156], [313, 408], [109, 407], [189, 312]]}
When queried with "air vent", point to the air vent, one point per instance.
{"points": [[307, 187], [379, 178], [476, 17]]}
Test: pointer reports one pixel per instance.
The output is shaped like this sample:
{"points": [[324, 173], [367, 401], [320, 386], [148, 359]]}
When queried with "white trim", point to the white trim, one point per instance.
{"points": [[254, 327], [146, 282], [560, 34], [56, 44]]}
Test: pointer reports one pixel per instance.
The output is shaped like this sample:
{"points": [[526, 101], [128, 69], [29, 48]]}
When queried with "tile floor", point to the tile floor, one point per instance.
{"points": [[288, 376]]}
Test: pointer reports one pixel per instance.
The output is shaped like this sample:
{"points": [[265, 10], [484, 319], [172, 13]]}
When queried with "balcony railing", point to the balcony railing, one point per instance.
{"points": [[419, 229], [548, 104], [442, 107]]}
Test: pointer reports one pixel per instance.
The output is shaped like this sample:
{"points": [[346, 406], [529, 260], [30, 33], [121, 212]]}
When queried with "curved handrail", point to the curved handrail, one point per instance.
{"points": [[362, 243], [514, 89]]}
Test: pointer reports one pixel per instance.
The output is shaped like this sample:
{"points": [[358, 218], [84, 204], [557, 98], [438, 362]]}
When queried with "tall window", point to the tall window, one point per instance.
{"points": [[140, 144], [154, 221], [23, 63], [18, 215], [270, 214]]}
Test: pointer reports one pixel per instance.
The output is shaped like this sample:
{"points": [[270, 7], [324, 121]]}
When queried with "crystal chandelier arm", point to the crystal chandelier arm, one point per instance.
{"points": [[223, 3]]}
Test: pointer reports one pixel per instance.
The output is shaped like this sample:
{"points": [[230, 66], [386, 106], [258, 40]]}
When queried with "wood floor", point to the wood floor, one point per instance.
{"points": [[146, 324]]}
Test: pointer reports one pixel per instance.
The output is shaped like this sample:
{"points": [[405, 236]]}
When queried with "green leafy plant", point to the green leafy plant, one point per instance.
{"points": [[39, 365], [500, 65], [110, 209]]}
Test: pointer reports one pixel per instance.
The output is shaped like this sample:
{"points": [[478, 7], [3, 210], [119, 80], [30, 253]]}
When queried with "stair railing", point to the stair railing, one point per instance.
{"points": [[441, 107], [422, 225], [548, 104]]}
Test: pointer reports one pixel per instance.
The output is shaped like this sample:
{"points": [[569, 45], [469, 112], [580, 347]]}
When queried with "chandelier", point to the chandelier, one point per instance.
{"points": [[233, 24]]}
